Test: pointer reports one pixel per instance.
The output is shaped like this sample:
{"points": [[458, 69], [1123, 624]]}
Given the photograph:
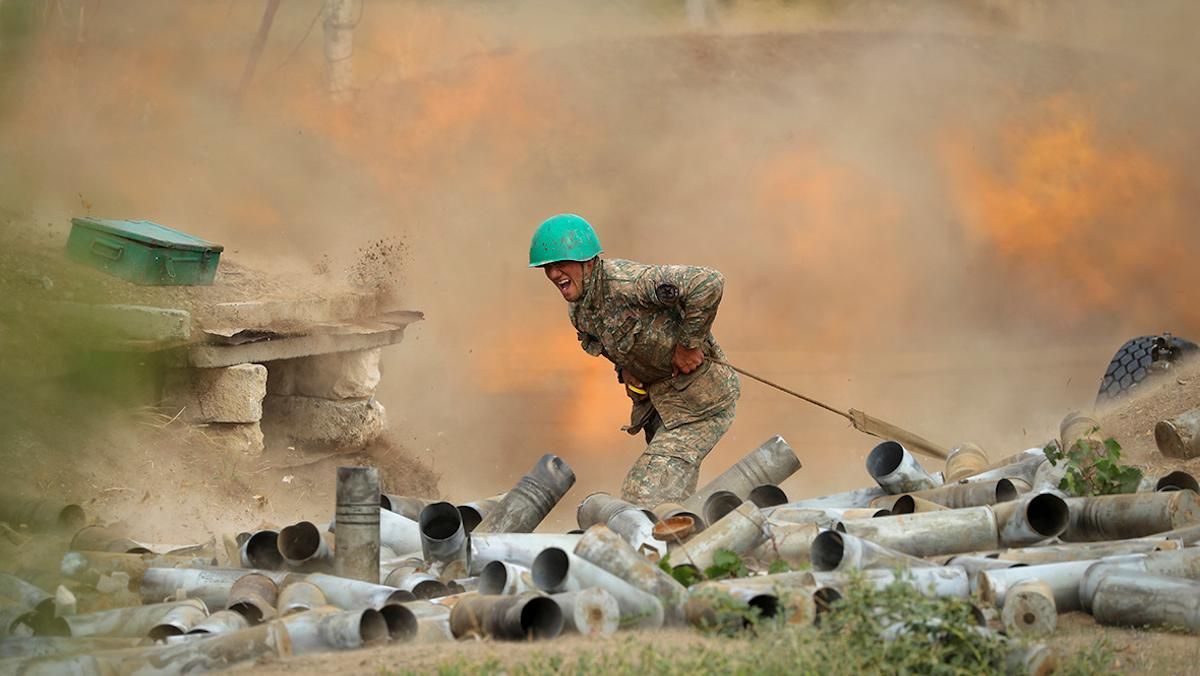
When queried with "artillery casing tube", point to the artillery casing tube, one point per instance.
{"points": [[358, 524], [531, 499], [897, 471], [770, 463], [556, 570]]}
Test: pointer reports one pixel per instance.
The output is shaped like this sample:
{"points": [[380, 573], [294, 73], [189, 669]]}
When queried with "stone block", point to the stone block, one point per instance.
{"points": [[339, 375], [231, 394], [235, 437], [346, 424]]}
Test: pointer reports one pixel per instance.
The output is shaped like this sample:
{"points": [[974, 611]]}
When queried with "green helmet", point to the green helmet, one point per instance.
{"points": [[565, 237]]}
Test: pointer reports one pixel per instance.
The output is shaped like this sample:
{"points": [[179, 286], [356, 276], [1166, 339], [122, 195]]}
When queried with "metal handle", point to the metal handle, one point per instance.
{"points": [[169, 266], [105, 250]]}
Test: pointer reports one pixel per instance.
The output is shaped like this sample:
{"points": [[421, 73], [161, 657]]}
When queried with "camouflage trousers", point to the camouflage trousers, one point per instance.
{"points": [[667, 471]]}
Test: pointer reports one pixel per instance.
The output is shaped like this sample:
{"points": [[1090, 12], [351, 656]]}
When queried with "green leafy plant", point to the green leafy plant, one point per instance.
{"points": [[1092, 468], [726, 564], [685, 575], [778, 566]]}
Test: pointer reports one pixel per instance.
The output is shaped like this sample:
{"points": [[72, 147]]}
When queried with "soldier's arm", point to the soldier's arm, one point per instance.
{"points": [[694, 291]]}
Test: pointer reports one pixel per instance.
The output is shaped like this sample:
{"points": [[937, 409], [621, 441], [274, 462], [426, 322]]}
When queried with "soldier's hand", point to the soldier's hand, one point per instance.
{"points": [[629, 379], [687, 360]]}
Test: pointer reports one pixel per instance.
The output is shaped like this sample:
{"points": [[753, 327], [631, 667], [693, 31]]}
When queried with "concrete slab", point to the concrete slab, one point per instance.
{"points": [[320, 339], [258, 314], [112, 325]]}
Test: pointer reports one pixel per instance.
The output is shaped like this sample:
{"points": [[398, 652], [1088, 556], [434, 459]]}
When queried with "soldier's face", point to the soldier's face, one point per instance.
{"points": [[568, 277]]}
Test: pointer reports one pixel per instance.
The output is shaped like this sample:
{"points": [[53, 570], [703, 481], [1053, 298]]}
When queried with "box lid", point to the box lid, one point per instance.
{"points": [[148, 232]]}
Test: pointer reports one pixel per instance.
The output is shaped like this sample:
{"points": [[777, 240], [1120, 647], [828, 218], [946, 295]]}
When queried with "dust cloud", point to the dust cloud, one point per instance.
{"points": [[949, 217]]}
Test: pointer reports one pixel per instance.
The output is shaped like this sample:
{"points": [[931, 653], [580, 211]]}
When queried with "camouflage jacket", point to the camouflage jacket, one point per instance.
{"points": [[635, 314]]}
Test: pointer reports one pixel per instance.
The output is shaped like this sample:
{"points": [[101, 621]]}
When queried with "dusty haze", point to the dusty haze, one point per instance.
{"points": [[947, 219]]}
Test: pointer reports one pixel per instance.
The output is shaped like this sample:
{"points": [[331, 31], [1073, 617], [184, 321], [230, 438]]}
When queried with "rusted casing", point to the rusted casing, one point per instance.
{"points": [[974, 565], [953, 531], [1140, 600], [1085, 550], [531, 499], [768, 595], [718, 504], [177, 622], [909, 503], [770, 463], [102, 539], [740, 531], [969, 494], [1177, 480], [827, 517], [358, 524], [1078, 426], [473, 513], [964, 460], [1179, 437], [1029, 610], [297, 597], [1181, 563], [254, 595], [399, 534], [788, 542], [590, 612], [518, 548], [41, 514], [210, 654], [857, 498], [1062, 578], [220, 622], [897, 471], [843, 552], [88, 566], [48, 646], [422, 585], [528, 616], [556, 570], [349, 594], [767, 495], [1031, 519], [509, 579], [405, 505], [604, 548], [328, 628], [1117, 517], [211, 585], [934, 581], [668, 511], [131, 622], [306, 547], [634, 524], [1025, 470], [261, 551], [444, 540]]}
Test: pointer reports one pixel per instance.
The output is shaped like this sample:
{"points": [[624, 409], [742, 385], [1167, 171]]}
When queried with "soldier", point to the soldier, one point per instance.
{"points": [[653, 323]]}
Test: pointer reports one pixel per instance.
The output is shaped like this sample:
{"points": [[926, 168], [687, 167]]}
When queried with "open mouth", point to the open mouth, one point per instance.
{"points": [[563, 285]]}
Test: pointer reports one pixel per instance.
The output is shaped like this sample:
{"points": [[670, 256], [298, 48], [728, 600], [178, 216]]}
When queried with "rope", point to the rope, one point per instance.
{"points": [[783, 389]]}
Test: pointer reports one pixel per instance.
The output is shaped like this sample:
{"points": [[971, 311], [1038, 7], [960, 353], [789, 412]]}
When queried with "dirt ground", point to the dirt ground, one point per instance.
{"points": [[1135, 650], [1132, 422]]}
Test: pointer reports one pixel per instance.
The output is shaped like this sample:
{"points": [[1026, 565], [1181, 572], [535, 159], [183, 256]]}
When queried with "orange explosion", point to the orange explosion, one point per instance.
{"points": [[1067, 203]]}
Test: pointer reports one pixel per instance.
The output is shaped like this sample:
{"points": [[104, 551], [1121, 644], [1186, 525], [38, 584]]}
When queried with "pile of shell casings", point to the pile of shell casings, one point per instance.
{"points": [[396, 569]]}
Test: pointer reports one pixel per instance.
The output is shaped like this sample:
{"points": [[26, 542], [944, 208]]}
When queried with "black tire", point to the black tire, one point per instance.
{"points": [[1141, 358]]}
